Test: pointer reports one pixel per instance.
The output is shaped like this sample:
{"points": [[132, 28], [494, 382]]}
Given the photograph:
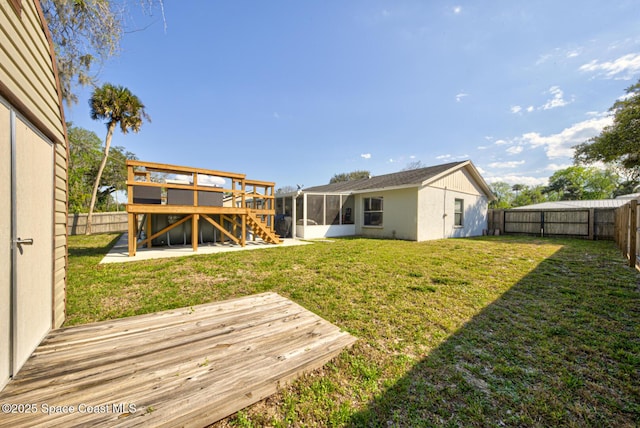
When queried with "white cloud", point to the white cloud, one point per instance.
{"points": [[544, 58], [517, 179], [514, 150], [501, 142], [457, 10], [557, 100], [519, 109], [460, 96], [511, 164], [574, 53], [561, 144], [366, 156], [211, 180], [623, 68], [443, 157], [555, 167]]}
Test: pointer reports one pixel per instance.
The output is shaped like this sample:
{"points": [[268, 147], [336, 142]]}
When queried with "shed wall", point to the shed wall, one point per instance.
{"points": [[5, 250], [28, 82]]}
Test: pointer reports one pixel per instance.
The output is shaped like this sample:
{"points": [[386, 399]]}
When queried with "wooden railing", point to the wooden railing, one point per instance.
{"points": [[218, 197]]}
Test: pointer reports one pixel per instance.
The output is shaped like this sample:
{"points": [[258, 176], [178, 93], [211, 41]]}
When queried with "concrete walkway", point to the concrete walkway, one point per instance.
{"points": [[120, 252]]}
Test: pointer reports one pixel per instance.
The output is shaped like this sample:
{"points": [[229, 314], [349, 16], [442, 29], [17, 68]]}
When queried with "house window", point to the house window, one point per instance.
{"points": [[373, 211], [458, 213]]}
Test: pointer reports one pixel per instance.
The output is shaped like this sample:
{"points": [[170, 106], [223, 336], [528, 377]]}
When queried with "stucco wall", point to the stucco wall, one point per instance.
{"points": [[436, 214], [400, 210]]}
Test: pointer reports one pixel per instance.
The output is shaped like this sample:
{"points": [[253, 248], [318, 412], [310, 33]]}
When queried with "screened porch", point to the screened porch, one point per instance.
{"points": [[315, 215]]}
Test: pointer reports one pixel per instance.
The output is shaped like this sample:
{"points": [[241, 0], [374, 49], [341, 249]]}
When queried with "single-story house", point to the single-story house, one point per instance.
{"points": [[33, 186], [442, 201]]}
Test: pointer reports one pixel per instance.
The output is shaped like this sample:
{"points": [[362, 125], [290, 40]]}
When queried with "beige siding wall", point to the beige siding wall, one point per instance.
{"points": [[26, 68], [459, 181], [400, 210], [28, 82]]}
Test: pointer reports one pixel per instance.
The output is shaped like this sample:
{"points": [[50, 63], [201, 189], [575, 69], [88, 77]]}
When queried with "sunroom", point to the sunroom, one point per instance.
{"points": [[308, 215]]}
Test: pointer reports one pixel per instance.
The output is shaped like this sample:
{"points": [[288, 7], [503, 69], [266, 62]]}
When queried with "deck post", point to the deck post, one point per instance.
{"points": [[132, 233], [149, 229], [194, 231], [243, 230]]}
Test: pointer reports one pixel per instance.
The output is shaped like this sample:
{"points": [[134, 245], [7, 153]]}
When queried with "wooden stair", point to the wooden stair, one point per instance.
{"points": [[261, 229]]}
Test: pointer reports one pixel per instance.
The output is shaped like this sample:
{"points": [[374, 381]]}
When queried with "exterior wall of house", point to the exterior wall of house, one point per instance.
{"points": [[437, 208], [28, 83], [400, 211], [328, 231]]}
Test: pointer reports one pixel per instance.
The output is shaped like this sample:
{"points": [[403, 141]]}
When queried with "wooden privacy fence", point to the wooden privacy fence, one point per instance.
{"points": [[626, 231], [586, 223], [102, 223]]}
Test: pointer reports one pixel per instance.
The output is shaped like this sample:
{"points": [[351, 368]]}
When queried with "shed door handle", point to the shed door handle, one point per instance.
{"points": [[26, 241]]}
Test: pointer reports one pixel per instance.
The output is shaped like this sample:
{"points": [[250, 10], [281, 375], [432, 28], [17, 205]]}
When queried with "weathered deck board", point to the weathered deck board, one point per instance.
{"points": [[183, 367]]}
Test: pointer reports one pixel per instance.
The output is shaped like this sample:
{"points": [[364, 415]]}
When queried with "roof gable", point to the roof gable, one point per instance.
{"points": [[413, 177], [402, 179]]}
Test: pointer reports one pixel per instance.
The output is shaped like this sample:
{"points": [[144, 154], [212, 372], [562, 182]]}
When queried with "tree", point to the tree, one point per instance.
{"points": [[117, 106], [582, 183], [618, 143], [529, 195], [414, 165], [503, 193], [85, 33], [285, 189], [518, 187], [85, 155], [348, 176], [84, 158]]}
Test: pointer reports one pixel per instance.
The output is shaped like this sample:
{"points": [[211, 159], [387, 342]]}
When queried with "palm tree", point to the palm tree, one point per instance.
{"points": [[115, 105]]}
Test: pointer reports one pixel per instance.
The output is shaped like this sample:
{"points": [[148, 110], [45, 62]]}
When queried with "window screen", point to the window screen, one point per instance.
{"points": [[458, 211], [373, 211]]}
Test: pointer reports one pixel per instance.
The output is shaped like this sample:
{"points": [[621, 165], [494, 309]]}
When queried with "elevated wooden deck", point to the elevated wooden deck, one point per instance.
{"points": [[228, 201], [183, 367]]}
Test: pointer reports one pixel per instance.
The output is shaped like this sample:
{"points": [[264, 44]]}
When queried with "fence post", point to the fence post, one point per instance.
{"points": [[633, 232]]}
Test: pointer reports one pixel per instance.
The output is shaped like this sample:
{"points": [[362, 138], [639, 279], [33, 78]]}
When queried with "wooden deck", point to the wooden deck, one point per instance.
{"points": [[183, 367]]}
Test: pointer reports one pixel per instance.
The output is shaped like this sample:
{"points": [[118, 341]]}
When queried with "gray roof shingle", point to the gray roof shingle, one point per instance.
{"points": [[397, 179]]}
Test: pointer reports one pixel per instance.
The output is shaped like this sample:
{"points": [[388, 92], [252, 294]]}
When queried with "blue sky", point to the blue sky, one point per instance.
{"points": [[297, 91]]}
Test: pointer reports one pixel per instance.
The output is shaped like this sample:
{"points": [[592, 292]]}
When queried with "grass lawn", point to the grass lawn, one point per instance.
{"points": [[462, 332]]}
